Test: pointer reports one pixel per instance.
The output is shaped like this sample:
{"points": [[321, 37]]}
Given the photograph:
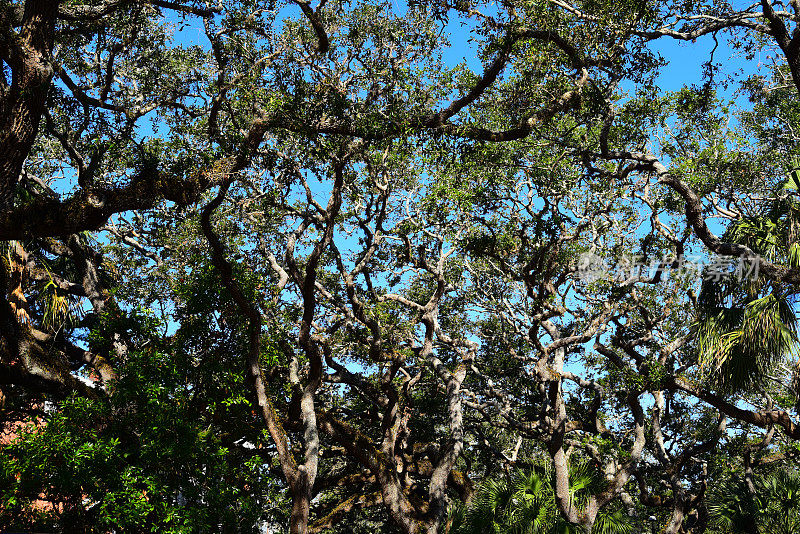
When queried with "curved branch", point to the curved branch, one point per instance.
{"points": [[323, 43]]}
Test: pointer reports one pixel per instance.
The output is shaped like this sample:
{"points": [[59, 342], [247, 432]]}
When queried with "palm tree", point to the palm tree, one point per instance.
{"points": [[746, 327], [739, 343], [524, 503], [774, 506]]}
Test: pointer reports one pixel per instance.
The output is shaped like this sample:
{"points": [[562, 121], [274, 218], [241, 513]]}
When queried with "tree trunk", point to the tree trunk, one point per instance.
{"points": [[675, 520], [298, 522], [28, 56]]}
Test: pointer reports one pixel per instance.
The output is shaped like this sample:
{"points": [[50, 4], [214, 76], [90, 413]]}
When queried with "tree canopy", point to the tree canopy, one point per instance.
{"points": [[402, 267]]}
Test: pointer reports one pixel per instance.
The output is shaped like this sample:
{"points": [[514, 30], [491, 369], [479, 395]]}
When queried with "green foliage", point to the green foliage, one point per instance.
{"points": [[165, 452], [524, 503], [740, 345], [153, 460], [773, 506], [147, 95]]}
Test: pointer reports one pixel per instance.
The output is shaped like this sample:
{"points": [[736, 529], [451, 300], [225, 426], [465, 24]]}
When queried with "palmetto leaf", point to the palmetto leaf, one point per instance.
{"points": [[731, 507], [739, 345], [745, 329], [763, 235], [58, 308], [614, 522], [524, 503], [794, 256], [774, 507], [793, 183]]}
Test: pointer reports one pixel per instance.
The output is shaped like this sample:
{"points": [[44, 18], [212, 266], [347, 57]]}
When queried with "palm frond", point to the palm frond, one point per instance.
{"points": [[731, 507], [738, 346], [774, 506], [613, 522], [524, 503]]}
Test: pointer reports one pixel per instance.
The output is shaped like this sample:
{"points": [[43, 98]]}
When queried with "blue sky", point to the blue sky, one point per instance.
{"points": [[685, 65]]}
